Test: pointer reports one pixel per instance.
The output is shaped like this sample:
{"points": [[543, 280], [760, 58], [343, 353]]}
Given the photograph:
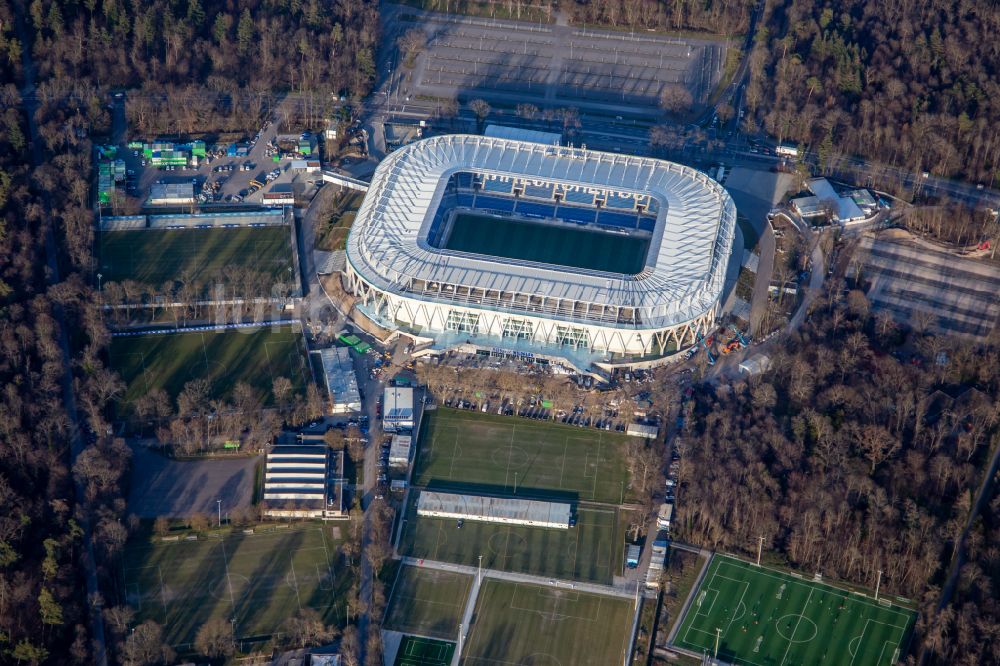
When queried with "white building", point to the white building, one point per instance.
{"points": [[843, 209], [303, 481], [397, 408], [340, 379], [505, 510], [404, 282], [641, 430], [400, 450], [171, 194]]}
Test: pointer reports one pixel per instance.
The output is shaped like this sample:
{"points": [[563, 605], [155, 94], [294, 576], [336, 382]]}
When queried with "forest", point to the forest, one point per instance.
{"points": [[907, 83], [725, 17], [854, 454]]}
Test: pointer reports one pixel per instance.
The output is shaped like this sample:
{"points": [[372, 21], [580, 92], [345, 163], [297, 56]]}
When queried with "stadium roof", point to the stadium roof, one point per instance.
{"points": [[689, 250]]}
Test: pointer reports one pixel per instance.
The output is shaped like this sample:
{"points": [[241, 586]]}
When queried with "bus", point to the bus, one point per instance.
{"points": [[786, 150]]}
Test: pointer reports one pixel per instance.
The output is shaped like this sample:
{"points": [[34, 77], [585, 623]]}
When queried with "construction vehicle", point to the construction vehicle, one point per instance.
{"points": [[744, 340], [705, 343]]}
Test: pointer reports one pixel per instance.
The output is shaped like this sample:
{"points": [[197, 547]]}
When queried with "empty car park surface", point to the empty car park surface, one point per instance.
{"points": [[954, 295], [559, 64], [518, 623]]}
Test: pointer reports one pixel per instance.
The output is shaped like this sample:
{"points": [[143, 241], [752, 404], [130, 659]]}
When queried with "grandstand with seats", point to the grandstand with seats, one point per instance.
{"points": [[508, 243]]}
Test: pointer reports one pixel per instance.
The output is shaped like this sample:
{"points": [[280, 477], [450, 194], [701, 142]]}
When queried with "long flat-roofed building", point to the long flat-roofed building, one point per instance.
{"points": [[340, 379], [518, 244], [505, 510], [304, 481]]}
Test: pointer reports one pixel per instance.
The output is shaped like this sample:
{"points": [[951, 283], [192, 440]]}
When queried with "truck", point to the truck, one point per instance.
{"points": [[787, 150], [632, 556], [664, 516]]}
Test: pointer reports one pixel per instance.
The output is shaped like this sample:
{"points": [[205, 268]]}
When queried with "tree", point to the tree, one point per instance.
{"points": [[481, 108], [161, 526], [412, 43], [307, 629], [215, 638], [245, 32], [877, 444], [675, 99], [145, 646], [350, 646], [199, 522], [281, 388]]}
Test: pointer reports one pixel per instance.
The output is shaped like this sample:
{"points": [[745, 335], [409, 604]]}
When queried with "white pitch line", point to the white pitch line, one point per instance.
{"points": [[796, 628], [229, 581]]}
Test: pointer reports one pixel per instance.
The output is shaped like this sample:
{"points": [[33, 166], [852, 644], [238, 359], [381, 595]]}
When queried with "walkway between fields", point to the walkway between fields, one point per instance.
{"points": [[470, 607], [592, 588]]}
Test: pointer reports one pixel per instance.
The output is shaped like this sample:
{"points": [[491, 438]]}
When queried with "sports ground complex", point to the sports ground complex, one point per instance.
{"points": [[198, 257], [763, 617], [470, 451], [258, 579], [519, 623], [256, 356]]}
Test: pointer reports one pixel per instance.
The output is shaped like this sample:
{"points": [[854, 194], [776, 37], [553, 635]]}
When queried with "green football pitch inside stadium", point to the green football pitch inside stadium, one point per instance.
{"points": [[259, 579], [769, 617], [427, 602], [196, 256], [417, 651], [170, 360], [468, 451], [518, 623], [548, 243], [592, 550]]}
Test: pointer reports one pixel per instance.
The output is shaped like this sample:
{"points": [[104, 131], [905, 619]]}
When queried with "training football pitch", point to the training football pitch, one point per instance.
{"points": [[467, 451], [259, 579], [427, 602], [199, 257], [591, 550], [518, 623], [769, 617], [170, 360], [417, 651], [548, 243]]}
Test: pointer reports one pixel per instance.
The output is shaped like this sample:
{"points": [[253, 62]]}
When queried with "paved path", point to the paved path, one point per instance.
{"points": [[470, 608], [592, 588]]}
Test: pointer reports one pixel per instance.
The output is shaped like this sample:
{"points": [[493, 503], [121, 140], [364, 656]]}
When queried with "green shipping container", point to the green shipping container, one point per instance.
{"points": [[547, 404]]}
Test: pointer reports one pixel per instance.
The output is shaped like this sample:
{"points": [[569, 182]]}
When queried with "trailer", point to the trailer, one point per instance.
{"points": [[632, 556], [664, 516], [787, 150]]}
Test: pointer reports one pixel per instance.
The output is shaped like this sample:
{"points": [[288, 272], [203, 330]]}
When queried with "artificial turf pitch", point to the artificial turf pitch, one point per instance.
{"points": [[591, 550], [547, 243], [770, 617], [468, 451], [256, 356], [417, 651], [427, 602], [260, 579], [518, 623], [199, 257]]}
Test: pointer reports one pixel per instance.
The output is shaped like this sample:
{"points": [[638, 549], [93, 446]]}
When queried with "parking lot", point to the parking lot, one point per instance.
{"points": [[228, 178], [559, 64]]}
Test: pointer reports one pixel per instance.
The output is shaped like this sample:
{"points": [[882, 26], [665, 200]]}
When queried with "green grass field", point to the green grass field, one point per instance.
{"points": [[769, 617], [468, 451], [260, 580], [417, 651], [197, 256], [548, 244], [252, 355], [517, 623], [592, 550], [427, 602]]}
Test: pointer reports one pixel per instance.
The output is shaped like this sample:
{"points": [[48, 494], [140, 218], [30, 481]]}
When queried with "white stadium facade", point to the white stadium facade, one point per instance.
{"points": [[523, 245]]}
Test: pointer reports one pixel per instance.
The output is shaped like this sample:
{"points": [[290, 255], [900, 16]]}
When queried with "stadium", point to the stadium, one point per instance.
{"points": [[527, 246]]}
